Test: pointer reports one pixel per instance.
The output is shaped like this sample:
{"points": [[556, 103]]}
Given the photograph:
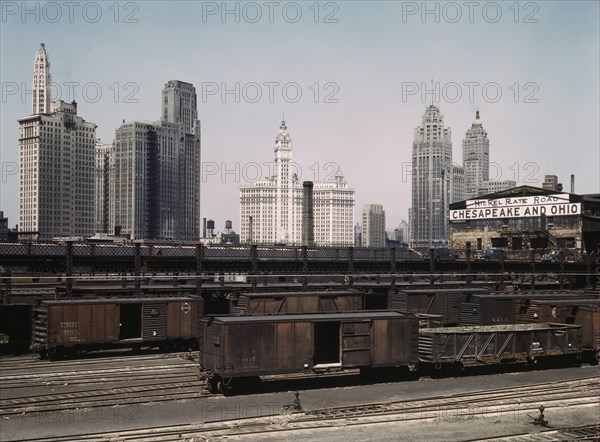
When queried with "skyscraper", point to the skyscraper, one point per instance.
{"points": [[41, 103], [476, 157], [271, 209], [57, 162], [157, 171], [431, 158], [373, 226], [105, 187], [334, 212]]}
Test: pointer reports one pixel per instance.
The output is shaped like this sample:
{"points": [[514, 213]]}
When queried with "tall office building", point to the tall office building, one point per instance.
{"points": [[105, 187], [271, 209], [432, 167], [41, 103], [157, 171], [373, 226], [56, 164], [334, 212], [476, 157], [56, 184]]}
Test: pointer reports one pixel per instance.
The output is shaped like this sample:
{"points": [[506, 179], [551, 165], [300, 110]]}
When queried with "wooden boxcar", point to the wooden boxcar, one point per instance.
{"points": [[250, 346], [444, 302], [295, 302], [508, 308], [492, 344], [105, 323]]}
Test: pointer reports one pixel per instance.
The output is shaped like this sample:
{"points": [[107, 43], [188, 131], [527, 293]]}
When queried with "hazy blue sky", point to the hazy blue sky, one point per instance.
{"points": [[360, 68]]}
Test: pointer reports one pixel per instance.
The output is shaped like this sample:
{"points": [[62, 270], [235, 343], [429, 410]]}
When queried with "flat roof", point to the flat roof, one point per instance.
{"points": [[320, 317], [131, 300], [305, 293]]}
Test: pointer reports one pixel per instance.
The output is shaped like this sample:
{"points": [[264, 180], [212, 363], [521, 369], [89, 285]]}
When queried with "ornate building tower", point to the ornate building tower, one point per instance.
{"points": [[476, 157], [41, 82], [431, 158], [271, 209]]}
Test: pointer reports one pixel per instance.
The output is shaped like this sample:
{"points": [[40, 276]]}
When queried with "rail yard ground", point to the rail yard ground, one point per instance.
{"points": [[124, 396]]}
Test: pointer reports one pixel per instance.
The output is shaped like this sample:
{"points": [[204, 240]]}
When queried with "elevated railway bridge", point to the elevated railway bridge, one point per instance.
{"points": [[143, 265]]}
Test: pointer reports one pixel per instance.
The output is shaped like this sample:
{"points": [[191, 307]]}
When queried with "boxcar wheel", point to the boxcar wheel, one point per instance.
{"points": [[213, 384]]}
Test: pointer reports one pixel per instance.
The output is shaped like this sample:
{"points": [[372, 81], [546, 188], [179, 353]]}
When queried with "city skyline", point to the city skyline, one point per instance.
{"points": [[368, 131]]}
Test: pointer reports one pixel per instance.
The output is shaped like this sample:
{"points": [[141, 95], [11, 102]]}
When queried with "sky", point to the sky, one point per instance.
{"points": [[352, 79]]}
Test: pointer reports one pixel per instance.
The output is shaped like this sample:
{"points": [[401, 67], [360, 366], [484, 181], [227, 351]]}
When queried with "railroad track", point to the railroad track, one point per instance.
{"points": [[555, 395], [93, 384]]}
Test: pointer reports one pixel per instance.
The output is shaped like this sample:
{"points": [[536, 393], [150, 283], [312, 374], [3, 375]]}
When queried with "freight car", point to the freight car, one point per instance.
{"points": [[455, 347], [509, 308], [239, 348], [94, 324], [444, 302], [15, 323], [294, 302]]}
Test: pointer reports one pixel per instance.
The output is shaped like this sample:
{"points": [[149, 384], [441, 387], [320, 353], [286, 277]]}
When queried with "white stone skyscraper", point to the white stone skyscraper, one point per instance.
{"points": [[476, 157], [157, 171], [56, 165], [432, 164], [41, 103], [105, 188], [271, 209]]}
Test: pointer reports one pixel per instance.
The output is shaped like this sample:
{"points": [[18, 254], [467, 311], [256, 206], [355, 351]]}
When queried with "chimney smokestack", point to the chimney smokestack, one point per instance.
{"points": [[572, 183], [308, 226]]}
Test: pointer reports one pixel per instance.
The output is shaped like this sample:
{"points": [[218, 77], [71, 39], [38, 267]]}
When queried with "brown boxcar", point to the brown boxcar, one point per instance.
{"points": [[507, 308], [251, 346], [436, 301], [104, 323], [492, 344], [295, 302]]}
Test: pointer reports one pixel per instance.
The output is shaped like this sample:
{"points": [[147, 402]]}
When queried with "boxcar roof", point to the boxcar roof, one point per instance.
{"points": [[482, 290], [117, 300], [536, 295], [342, 316], [306, 293]]}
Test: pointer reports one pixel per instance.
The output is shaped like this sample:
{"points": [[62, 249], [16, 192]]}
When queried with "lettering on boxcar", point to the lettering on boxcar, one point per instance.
{"points": [[70, 331]]}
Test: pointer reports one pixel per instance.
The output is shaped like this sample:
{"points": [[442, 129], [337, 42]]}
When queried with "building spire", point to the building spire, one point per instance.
{"points": [[41, 82]]}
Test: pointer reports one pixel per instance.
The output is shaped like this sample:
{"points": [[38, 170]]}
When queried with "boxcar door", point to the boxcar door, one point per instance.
{"points": [[154, 321], [356, 344]]}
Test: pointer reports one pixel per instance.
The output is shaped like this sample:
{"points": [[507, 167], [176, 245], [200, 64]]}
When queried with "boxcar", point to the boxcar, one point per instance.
{"points": [[508, 308], [237, 347], [105, 323], [444, 302], [295, 302], [492, 344]]}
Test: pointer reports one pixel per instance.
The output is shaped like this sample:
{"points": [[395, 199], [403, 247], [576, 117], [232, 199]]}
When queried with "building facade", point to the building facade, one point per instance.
{"points": [[157, 171], [57, 174], [333, 212], [431, 158], [373, 226], [550, 182], [271, 209], [525, 218], [41, 99], [476, 157], [495, 186], [104, 203]]}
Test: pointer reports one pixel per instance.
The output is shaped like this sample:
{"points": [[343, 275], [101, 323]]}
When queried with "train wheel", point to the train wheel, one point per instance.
{"points": [[214, 384]]}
